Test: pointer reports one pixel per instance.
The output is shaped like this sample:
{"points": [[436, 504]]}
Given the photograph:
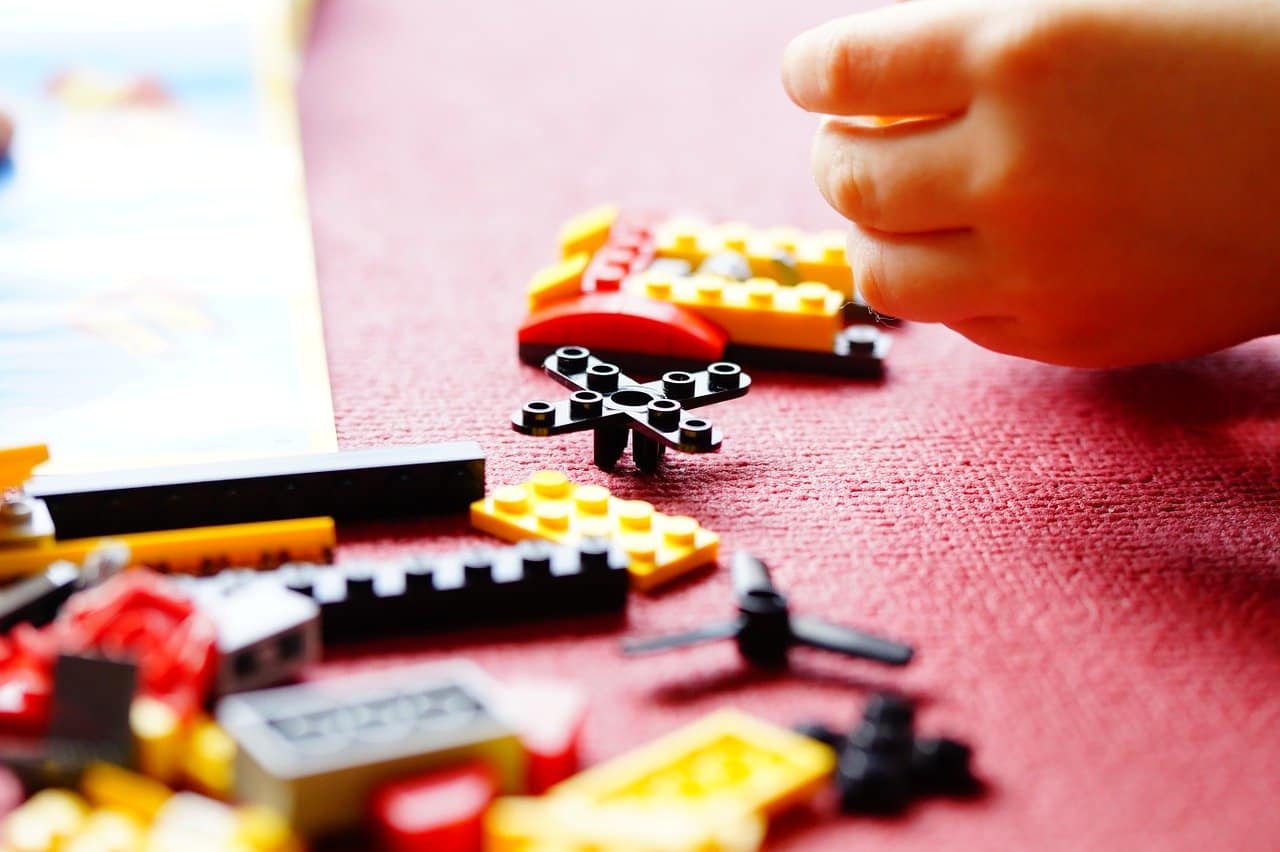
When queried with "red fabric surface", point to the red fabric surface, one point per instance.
{"points": [[1086, 561]]}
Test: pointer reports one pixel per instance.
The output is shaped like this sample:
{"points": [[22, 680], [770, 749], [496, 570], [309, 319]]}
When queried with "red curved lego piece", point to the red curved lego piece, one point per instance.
{"points": [[626, 322]]}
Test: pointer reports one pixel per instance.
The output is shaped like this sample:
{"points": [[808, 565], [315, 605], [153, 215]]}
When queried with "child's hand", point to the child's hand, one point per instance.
{"points": [[1101, 185]]}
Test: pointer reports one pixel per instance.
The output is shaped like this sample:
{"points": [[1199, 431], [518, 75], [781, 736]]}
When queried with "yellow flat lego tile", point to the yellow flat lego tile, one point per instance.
{"points": [[17, 463], [197, 550], [758, 312], [727, 760], [549, 506], [560, 281], [588, 231], [551, 824]]}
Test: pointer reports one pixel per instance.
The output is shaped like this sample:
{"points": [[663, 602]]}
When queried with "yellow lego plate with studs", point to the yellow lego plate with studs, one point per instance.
{"points": [[817, 256], [727, 760], [587, 231], [549, 506], [16, 464], [758, 312], [198, 550]]}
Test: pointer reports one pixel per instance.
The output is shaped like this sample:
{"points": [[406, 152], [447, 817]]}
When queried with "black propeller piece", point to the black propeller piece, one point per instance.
{"points": [[765, 629]]}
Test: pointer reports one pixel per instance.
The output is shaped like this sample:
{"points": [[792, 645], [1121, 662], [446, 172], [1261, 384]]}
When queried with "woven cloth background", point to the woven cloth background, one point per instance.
{"points": [[1087, 562]]}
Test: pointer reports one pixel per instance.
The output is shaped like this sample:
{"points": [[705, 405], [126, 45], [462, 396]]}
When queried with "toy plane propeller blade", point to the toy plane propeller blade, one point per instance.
{"points": [[843, 640], [708, 633]]}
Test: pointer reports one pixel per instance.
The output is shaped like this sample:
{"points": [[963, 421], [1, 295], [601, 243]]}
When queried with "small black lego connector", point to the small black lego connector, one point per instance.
{"points": [[882, 767], [765, 629], [616, 407]]}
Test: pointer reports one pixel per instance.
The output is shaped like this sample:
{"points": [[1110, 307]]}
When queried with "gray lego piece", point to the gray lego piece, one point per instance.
{"points": [[314, 752], [266, 633]]}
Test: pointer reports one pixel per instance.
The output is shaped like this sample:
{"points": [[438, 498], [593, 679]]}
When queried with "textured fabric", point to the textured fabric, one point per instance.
{"points": [[1086, 561]]}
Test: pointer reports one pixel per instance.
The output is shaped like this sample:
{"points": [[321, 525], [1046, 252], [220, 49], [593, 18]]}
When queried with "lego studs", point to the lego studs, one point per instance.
{"points": [[616, 408]]}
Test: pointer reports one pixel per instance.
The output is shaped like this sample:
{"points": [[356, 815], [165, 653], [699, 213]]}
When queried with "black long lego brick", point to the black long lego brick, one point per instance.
{"points": [[351, 485], [531, 581]]}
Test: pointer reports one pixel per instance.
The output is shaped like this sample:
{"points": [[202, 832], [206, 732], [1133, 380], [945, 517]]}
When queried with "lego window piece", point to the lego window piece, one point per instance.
{"points": [[883, 766], [352, 485], [415, 595], [615, 407], [314, 752], [765, 630], [660, 547], [727, 760]]}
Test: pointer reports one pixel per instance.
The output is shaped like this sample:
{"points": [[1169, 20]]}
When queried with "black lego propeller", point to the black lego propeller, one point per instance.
{"points": [[765, 629]]}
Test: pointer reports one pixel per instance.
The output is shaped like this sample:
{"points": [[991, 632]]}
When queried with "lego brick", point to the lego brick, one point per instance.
{"points": [[17, 464], [144, 615], [777, 253], [314, 752], [653, 416], [201, 550], [45, 822], [857, 352], [620, 322], [24, 520], [630, 249], [562, 280], [548, 717], [266, 633], [26, 672], [552, 824], [36, 600], [440, 811], [727, 759], [208, 759], [159, 738], [108, 786], [351, 485], [587, 231], [91, 701], [416, 596], [756, 312], [660, 547]]}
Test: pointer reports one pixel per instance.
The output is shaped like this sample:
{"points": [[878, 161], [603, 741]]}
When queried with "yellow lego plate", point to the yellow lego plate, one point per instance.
{"points": [[727, 760], [16, 464], [758, 312], [549, 506]]}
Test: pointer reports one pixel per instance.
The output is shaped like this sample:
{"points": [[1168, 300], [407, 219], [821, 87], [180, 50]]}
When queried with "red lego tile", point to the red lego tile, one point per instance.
{"points": [[440, 811]]}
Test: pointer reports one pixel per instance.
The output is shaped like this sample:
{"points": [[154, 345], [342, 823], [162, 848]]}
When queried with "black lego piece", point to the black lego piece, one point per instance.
{"points": [[882, 766], [765, 629], [88, 722], [36, 599], [352, 485], [858, 351], [533, 580], [615, 407]]}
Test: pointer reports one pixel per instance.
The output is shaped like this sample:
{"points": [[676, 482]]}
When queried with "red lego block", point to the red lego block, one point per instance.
{"points": [[441, 811], [26, 681], [548, 717], [140, 615], [611, 322], [630, 249]]}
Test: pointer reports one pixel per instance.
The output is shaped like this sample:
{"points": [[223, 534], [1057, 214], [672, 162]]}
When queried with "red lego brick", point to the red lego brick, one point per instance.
{"points": [[26, 681], [548, 717], [440, 811], [621, 321], [141, 615]]}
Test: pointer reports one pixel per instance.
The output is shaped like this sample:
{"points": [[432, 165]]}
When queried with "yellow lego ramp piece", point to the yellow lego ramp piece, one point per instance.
{"points": [[549, 506], [728, 761], [551, 824], [758, 312], [17, 463], [556, 283], [199, 550], [588, 231]]}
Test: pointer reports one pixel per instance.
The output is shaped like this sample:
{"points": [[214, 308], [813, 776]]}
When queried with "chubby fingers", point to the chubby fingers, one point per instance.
{"points": [[937, 277], [906, 59], [903, 179]]}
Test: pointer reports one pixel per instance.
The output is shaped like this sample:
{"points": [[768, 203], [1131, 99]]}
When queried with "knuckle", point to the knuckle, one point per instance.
{"points": [[849, 183]]}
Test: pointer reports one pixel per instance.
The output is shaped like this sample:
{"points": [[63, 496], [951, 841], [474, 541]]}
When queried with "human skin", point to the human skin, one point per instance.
{"points": [[1097, 182]]}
